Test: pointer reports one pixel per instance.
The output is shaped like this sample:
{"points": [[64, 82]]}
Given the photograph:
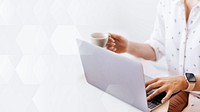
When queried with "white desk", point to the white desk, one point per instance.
{"points": [[90, 99]]}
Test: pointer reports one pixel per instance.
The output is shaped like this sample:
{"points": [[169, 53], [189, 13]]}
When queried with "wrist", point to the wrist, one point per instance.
{"points": [[128, 46], [184, 83], [191, 81]]}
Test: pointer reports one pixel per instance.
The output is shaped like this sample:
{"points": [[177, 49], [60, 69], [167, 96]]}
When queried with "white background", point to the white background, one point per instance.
{"points": [[39, 62]]}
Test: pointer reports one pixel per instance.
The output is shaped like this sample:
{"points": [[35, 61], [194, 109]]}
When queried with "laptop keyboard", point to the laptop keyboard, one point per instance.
{"points": [[156, 100]]}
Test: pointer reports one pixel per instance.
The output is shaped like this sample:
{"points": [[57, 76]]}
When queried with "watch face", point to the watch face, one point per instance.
{"points": [[190, 77]]}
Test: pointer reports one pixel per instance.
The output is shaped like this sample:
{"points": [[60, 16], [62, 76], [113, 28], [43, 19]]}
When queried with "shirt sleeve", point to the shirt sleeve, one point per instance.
{"points": [[157, 39]]}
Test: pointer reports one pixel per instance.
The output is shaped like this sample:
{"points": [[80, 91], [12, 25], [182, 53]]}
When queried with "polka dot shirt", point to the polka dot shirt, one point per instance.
{"points": [[175, 39]]}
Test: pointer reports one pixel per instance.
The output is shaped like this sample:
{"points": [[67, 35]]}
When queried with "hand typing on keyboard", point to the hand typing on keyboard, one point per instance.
{"points": [[168, 85]]}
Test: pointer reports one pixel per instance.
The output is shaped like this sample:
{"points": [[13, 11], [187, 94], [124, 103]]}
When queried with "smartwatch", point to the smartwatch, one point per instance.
{"points": [[191, 80]]}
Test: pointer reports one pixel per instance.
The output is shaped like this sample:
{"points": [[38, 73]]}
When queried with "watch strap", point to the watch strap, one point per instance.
{"points": [[191, 85]]}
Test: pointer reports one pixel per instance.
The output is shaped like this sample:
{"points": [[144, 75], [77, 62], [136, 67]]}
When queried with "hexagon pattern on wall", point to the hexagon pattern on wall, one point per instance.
{"points": [[39, 62], [37, 49]]}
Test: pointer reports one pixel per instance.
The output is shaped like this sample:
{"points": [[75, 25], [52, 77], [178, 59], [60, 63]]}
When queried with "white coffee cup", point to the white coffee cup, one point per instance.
{"points": [[99, 39]]}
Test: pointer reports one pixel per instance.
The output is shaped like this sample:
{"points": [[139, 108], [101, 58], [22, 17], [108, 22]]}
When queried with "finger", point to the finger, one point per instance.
{"points": [[114, 36], [110, 39], [115, 49], [108, 47], [111, 44], [168, 95], [153, 86], [151, 81], [156, 92], [111, 48]]}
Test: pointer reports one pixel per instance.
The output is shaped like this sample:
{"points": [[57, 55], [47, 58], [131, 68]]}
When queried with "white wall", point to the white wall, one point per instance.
{"points": [[38, 53], [132, 18]]}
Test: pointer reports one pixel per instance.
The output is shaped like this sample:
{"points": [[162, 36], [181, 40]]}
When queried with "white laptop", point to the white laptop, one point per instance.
{"points": [[117, 75]]}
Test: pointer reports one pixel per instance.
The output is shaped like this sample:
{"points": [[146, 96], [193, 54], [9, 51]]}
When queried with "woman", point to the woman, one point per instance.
{"points": [[177, 36]]}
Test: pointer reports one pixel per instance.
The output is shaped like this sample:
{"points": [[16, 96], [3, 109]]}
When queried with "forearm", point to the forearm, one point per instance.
{"points": [[141, 50]]}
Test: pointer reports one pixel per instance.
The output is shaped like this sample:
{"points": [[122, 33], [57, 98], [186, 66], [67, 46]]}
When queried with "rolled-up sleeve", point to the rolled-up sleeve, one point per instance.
{"points": [[157, 39]]}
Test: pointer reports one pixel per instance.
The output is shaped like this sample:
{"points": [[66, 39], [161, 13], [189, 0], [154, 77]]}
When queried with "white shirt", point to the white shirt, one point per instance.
{"points": [[177, 40]]}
